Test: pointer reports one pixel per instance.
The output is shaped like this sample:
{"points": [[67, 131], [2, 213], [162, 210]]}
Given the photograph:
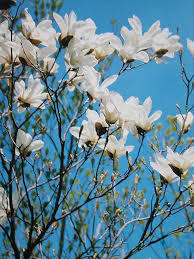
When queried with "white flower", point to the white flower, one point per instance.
{"points": [[161, 165], [8, 53], [32, 96], [77, 57], [50, 67], [135, 43], [99, 121], [25, 145], [5, 206], [92, 81], [75, 77], [86, 135], [180, 163], [111, 106], [4, 30], [30, 54], [70, 27], [98, 45], [185, 121], [42, 33], [190, 46], [135, 117], [91, 130], [115, 148], [103, 46], [165, 46]]}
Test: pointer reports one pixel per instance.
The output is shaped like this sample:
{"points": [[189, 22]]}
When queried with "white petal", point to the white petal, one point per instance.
{"points": [[36, 145], [108, 81], [155, 116]]}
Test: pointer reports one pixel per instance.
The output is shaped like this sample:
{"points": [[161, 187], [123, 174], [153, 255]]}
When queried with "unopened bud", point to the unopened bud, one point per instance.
{"points": [[190, 140], [143, 160], [136, 179], [130, 161], [49, 98], [113, 178], [54, 226], [134, 169], [117, 213], [156, 134], [50, 164], [103, 176], [152, 146], [35, 157]]}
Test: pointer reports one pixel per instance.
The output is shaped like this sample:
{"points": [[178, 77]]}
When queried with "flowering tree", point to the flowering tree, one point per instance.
{"points": [[70, 185]]}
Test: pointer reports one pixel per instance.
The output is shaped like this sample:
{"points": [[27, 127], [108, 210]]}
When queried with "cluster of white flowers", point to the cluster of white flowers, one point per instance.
{"points": [[35, 45], [84, 49], [174, 165]]}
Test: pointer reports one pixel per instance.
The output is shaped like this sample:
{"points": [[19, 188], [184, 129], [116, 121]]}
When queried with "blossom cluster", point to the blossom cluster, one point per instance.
{"points": [[35, 47]]}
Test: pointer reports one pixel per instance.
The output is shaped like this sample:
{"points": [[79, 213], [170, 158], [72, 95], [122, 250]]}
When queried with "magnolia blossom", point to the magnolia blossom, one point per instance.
{"points": [[135, 117], [185, 121], [190, 46], [28, 53], [135, 43], [161, 165], [5, 206], [98, 45], [91, 130], [71, 28], [92, 81], [115, 148], [86, 135], [103, 46], [99, 121], [8, 50], [165, 46], [42, 33], [180, 163], [32, 96], [111, 106], [50, 67], [75, 77], [7, 54], [25, 145], [4, 31], [77, 57]]}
